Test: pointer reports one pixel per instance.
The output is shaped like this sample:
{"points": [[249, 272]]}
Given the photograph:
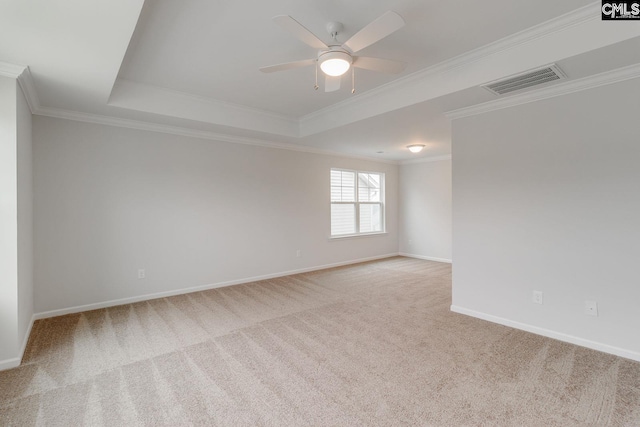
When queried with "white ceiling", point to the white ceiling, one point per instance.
{"points": [[193, 65], [214, 48]]}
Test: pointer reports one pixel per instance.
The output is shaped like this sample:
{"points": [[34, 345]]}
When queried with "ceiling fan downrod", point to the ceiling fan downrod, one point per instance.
{"points": [[333, 28]]}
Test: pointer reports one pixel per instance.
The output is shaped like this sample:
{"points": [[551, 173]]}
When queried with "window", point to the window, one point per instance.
{"points": [[357, 202]]}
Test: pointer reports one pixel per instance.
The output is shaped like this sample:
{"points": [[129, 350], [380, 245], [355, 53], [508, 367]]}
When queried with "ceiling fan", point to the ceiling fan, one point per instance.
{"points": [[336, 59]]}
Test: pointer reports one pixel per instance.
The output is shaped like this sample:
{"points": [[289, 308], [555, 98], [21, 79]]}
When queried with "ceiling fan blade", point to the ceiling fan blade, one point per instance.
{"points": [[298, 30], [376, 30], [331, 84], [287, 65], [377, 64]]}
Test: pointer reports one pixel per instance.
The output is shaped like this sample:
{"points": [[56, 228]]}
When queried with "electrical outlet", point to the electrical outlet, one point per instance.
{"points": [[537, 297], [141, 273], [298, 253], [591, 308]]}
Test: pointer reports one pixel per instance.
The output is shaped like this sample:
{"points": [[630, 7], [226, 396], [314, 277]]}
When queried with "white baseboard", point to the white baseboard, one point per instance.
{"points": [[25, 340], [15, 362], [10, 363], [112, 303], [428, 258], [605, 348]]}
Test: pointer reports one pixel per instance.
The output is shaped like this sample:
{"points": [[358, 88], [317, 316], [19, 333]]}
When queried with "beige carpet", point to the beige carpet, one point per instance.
{"points": [[369, 344]]}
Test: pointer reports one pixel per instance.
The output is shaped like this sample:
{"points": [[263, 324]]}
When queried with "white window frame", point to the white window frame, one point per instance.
{"points": [[357, 204]]}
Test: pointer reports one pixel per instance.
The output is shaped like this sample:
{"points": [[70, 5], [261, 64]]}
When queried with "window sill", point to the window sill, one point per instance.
{"points": [[355, 236]]}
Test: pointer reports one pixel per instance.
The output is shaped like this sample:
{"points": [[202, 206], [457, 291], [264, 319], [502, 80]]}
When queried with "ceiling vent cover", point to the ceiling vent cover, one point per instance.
{"points": [[526, 80]]}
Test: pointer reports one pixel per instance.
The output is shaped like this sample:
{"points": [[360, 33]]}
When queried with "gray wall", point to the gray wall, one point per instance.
{"points": [[191, 212], [546, 197], [425, 210]]}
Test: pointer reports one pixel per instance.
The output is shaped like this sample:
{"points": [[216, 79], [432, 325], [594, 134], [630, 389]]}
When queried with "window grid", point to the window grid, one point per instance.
{"points": [[357, 202]]}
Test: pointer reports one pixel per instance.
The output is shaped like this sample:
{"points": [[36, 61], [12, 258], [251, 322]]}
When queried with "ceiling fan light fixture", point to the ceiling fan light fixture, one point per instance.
{"points": [[335, 63], [415, 148]]}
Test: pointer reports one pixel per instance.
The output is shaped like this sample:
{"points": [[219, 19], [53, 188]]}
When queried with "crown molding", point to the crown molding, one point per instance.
{"points": [[191, 133], [11, 70], [213, 101], [22, 74], [426, 160], [558, 24], [559, 89], [29, 89], [169, 102]]}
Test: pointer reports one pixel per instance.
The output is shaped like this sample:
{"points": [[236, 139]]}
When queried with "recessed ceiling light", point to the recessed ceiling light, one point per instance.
{"points": [[379, 152], [415, 148]]}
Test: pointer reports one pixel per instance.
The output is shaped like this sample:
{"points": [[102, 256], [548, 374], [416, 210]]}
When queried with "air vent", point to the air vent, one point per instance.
{"points": [[526, 80]]}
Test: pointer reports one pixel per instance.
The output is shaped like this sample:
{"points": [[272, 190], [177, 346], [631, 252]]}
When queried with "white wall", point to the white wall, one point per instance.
{"points": [[425, 210], [8, 221], [190, 212], [25, 218], [16, 224], [546, 197]]}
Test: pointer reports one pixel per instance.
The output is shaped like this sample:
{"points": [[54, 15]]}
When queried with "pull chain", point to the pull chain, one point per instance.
{"points": [[353, 80], [316, 85]]}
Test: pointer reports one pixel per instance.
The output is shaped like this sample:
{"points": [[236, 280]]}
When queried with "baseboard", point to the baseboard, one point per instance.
{"points": [[15, 362], [605, 348], [428, 258], [130, 300], [10, 363], [25, 340]]}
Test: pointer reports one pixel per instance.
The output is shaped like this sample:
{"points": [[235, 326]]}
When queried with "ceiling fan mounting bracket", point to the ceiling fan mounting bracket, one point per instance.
{"points": [[334, 28]]}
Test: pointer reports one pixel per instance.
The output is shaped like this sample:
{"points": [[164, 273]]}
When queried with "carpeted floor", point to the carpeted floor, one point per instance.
{"points": [[368, 344]]}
